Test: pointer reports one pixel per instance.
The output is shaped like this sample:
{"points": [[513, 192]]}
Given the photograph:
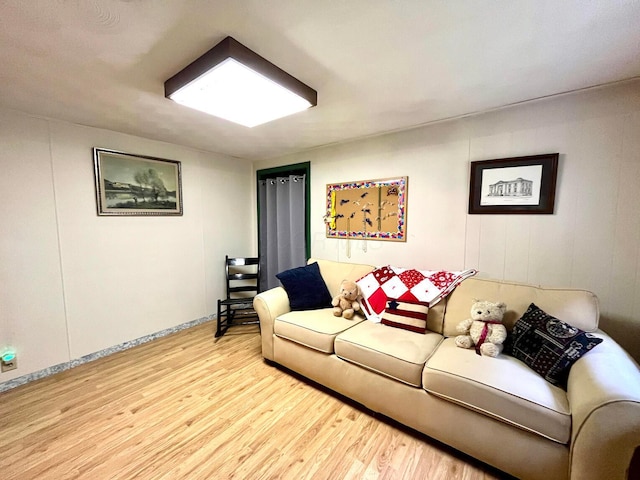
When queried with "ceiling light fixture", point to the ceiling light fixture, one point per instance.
{"points": [[232, 82]]}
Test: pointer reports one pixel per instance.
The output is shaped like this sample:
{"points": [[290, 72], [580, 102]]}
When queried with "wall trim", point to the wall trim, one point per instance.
{"points": [[61, 367]]}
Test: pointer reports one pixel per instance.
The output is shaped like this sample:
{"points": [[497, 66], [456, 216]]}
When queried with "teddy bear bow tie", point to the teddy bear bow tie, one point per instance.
{"points": [[483, 335]]}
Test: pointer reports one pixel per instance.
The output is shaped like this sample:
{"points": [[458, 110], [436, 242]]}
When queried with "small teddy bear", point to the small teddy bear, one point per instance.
{"points": [[484, 329], [345, 304]]}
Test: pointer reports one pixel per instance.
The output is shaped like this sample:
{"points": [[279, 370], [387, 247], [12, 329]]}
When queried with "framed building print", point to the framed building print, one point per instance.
{"points": [[517, 185]]}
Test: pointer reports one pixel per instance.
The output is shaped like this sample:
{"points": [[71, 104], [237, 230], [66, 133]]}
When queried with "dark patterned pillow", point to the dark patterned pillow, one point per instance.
{"points": [[305, 287], [547, 345], [407, 315]]}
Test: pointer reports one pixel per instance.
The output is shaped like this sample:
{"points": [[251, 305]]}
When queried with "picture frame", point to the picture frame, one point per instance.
{"points": [[516, 185], [131, 184], [368, 209]]}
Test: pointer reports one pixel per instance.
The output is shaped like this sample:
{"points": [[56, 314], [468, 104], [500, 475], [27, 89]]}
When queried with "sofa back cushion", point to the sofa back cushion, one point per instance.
{"points": [[578, 308], [335, 272], [435, 318]]}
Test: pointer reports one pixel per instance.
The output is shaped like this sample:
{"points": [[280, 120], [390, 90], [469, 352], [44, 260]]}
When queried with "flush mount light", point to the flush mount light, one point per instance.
{"points": [[232, 82]]}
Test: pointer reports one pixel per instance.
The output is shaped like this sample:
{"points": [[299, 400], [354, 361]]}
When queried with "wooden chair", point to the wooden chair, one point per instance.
{"points": [[242, 276]]}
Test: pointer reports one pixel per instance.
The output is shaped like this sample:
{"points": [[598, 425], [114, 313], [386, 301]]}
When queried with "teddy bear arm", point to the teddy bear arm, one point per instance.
{"points": [[355, 306], [498, 334], [335, 301], [345, 304], [464, 326]]}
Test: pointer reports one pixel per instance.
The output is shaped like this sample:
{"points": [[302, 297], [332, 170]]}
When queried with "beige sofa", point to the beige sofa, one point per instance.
{"points": [[494, 409]]}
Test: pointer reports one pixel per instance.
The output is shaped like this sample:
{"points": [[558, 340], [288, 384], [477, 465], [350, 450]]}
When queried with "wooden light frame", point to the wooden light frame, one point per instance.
{"points": [[229, 48]]}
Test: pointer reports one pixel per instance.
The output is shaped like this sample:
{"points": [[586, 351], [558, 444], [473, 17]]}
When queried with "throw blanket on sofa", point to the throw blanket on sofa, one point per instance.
{"points": [[421, 286]]}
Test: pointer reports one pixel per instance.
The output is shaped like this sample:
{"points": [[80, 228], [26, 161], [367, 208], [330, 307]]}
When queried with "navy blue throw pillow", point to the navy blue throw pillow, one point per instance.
{"points": [[547, 345], [305, 287]]}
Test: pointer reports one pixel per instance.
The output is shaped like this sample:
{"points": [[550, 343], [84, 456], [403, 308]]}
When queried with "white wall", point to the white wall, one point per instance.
{"points": [[74, 283], [593, 239]]}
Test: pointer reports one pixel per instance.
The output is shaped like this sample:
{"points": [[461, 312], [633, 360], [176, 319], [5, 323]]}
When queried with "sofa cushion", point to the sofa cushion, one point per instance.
{"points": [[396, 353], [305, 287], [547, 345], [503, 388], [576, 307], [315, 329], [334, 273]]}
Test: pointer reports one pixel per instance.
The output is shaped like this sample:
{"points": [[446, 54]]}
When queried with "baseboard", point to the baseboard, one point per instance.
{"points": [[61, 367]]}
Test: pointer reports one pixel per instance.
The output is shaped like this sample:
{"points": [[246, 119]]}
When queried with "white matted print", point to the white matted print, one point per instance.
{"points": [[511, 186]]}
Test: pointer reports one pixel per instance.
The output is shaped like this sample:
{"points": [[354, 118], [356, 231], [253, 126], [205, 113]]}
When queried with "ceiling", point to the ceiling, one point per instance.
{"points": [[378, 65]]}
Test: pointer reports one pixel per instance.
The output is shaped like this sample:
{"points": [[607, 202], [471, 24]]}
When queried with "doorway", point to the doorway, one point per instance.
{"points": [[283, 220]]}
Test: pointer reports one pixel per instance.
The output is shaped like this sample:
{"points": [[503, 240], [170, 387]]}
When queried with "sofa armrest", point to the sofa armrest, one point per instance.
{"points": [[604, 394], [269, 305]]}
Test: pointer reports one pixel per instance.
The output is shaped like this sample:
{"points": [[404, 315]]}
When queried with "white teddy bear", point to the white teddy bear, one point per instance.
{"points": [[484, 329]]}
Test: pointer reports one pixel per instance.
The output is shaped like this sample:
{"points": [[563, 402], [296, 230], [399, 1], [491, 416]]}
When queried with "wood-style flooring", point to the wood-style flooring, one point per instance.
{"points": [[188, 406]]}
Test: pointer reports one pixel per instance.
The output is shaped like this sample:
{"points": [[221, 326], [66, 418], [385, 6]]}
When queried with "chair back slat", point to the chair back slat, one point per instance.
{"points": [[242, 261], [242, 275], [248, 288]]}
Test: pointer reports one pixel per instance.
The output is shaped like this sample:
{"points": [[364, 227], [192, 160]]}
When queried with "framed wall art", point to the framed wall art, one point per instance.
{"points": [[128, 184], [517, 185], [368, 209]]}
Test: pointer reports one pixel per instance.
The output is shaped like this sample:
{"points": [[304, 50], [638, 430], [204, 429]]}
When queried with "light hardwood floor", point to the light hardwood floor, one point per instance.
{"points": [[189, 407]]}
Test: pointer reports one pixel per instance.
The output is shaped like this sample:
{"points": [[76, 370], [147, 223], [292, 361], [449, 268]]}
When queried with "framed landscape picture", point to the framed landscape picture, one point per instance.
{"points": [[516, 185], [128, 184]]}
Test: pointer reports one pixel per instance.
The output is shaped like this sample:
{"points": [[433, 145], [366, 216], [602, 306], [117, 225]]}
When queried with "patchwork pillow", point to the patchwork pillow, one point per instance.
{"points": [[305, 287], [406, 315], [406, 284], [547, 345]]}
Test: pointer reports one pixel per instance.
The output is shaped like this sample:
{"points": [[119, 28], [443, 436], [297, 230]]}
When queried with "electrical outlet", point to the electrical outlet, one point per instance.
{"points": [[6, 365]]}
